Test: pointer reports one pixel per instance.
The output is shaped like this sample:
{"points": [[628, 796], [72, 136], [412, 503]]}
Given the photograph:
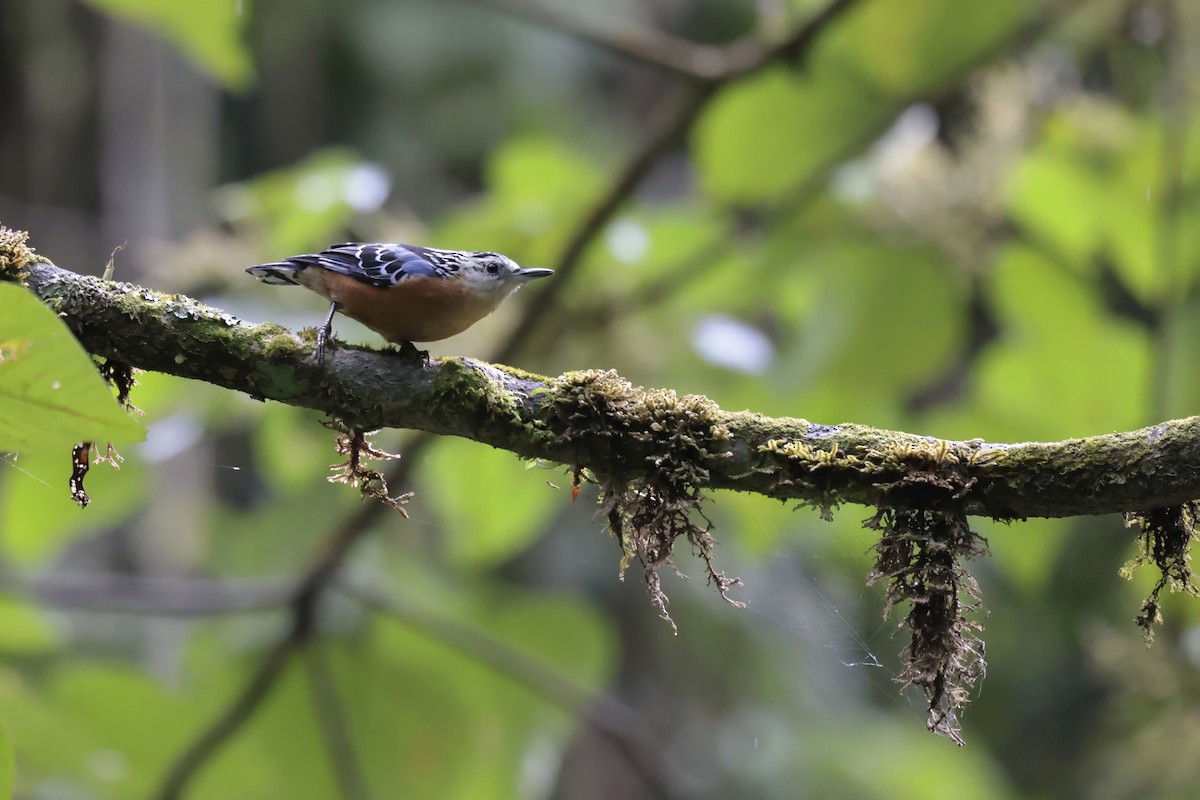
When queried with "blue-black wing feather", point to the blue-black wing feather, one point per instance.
{"points": [[380, 265]]}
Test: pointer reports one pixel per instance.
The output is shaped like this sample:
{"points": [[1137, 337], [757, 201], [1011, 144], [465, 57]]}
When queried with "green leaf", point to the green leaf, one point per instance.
{"points": [[468, 723], [769, 134], [1064, 366], [51, 396], [926, 41], [207, 32], [840, 302], [1054, 198], [490, 505], [23, 631]]}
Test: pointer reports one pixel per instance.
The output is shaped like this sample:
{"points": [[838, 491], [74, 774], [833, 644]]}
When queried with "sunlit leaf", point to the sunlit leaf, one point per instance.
{"points": [[775, 131], [1052, 197], [209, 32], [50, 393], [307, 205], [925, 42], [763, 137], [883, 322]]}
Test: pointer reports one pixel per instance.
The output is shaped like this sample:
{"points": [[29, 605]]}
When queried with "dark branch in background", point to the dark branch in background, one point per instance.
{"points": [[331, 721], [213, 737], [653, 47], [708, 255], [626, 730], [305, 600]]}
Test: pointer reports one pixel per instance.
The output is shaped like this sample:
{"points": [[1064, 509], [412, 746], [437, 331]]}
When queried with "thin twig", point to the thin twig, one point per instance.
{"points": [[657, 145], [653, 47], [331, 721], [222, 729], [305, 600], [623, 727]]}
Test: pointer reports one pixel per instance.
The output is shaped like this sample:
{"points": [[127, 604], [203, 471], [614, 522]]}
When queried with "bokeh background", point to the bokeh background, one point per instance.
{"points": [[960, 219]]}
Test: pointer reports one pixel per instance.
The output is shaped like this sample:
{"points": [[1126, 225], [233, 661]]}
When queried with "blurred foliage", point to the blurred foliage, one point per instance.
{"points": [[961, 219]]}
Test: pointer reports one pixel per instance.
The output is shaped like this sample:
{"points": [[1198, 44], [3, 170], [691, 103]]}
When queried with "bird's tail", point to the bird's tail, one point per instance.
{"points": [[280, 273]]}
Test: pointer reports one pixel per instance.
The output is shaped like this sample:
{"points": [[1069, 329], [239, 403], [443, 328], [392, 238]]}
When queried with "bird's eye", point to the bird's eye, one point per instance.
{"points": [[493, 269]]}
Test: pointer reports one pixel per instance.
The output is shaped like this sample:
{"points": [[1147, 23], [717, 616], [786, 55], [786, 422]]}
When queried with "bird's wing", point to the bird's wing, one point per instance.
{"points": [[381, 264]]}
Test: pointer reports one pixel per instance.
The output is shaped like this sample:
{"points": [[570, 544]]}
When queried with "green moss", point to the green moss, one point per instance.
{"points": [[277, 342], [462, 389], [919, 556], [655, 444], [1165, 538], [813, 457], [521, 374]]}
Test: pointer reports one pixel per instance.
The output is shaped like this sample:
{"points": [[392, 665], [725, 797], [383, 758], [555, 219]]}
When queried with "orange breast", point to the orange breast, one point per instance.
{"points": [[418, 309]]}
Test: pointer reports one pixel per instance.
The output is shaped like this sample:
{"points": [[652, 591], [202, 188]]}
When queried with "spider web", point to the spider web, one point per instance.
{"points": [[821, 606]]}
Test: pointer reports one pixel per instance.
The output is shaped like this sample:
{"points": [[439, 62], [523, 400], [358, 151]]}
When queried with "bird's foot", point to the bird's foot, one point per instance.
{"points": [[322, 338], [324, 333], [409, 351]]}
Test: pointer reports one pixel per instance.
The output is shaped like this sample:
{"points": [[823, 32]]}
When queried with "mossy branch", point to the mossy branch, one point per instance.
{"points": [[570, 419]]}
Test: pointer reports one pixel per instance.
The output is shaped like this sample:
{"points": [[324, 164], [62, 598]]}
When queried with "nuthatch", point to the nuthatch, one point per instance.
{"points": [[403, 292]]}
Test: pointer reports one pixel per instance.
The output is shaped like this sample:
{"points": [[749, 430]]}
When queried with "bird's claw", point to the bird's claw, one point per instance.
{"points": [[409, 351]]}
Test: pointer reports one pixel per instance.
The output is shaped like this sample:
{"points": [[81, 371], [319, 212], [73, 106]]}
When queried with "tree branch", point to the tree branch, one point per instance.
{"points": [[599, 421], [222, 729], [330, 718], [705, 62]]}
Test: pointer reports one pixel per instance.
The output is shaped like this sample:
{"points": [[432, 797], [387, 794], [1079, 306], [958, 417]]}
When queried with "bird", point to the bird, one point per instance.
{"points": [[404, 292]]}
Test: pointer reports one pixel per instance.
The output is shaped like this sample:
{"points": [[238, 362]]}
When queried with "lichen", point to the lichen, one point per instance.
{"points": [[1165, 537], [814, 457], [810, 458], [656, 444], [15, 254]]}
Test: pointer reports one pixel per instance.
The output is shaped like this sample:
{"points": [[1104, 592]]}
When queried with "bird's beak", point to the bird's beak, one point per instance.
{"points": [[529, 274]]}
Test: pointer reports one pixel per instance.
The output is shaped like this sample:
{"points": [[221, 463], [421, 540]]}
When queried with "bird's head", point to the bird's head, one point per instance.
{"points": [[495, 275]]}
